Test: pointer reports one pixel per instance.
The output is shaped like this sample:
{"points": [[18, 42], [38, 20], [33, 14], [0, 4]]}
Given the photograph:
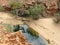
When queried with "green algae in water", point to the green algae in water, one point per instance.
{"points": [[33, 32]]}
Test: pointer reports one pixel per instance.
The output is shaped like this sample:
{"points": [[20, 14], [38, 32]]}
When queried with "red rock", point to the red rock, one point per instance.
{"points": [[12, 38]]}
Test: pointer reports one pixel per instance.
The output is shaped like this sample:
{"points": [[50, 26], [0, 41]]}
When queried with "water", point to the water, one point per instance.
{"points": [[25, 27], [32, 39]]}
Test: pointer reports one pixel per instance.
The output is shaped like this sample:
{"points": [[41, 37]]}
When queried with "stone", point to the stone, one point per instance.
{"points": [[15, 38]]}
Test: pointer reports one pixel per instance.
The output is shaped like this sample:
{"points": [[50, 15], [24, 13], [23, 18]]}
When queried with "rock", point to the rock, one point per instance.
{"points": [[48, 41], [51, 5], [7, 8], [15, 38], [59, 4]]}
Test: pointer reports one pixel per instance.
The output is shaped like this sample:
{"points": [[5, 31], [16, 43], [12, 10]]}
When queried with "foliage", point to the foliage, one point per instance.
{"points": [[1, 8], [56, 17], [36, 10], [16, 4], [37, 1], [33, 11], [33, 32], [8, 27]]}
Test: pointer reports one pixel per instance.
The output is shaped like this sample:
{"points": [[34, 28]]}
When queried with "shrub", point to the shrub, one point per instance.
{"points": [[15, 7], [33, 11], [36, 10], [57, 17], [1, 8], [16, 4]]}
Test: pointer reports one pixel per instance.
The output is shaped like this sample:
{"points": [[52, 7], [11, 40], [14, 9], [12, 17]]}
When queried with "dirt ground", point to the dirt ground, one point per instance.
{"points": [[8, 19]]}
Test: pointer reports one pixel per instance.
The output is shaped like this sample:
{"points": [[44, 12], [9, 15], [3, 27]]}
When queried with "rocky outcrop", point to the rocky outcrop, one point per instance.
{"points": [[51, 5], [15, 38], [5, 2], [59, 4]]}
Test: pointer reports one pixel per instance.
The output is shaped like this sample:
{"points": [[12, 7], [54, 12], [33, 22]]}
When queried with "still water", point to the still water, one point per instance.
{"points": [[32, 39]]}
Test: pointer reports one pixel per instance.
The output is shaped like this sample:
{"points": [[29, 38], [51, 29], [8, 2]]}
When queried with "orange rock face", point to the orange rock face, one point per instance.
{"points": [[51, 5], [15, 38], [5, 2]]}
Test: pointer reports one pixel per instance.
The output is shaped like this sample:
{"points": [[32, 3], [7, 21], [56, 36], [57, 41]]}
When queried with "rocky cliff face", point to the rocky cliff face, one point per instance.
{"points": [[51, 5], [15, 38], [59, 4]]}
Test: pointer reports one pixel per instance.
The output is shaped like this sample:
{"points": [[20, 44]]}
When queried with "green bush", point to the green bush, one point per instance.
{"points": [[33, 32], [36, 10], [33, 11], [15, 5], [1, 8]]}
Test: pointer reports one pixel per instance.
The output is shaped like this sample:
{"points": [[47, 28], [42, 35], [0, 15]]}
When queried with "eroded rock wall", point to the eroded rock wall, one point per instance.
{"points": [[51, 5], [15, 38]]}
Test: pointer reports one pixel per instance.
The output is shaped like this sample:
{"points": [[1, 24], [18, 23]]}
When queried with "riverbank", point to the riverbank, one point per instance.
{"points": [[6, 18], [48, 29], [9, 19]]}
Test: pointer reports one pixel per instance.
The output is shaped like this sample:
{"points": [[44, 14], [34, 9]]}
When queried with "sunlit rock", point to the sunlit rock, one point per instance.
{"points": [[15, 38]]}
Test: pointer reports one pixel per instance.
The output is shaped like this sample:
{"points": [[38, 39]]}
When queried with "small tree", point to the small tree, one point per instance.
{"points": [[36, 10]]}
